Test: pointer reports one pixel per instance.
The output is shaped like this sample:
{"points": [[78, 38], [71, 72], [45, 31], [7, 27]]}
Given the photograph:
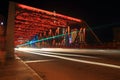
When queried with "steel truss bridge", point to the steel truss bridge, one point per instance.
{"points": [[40, 28]]}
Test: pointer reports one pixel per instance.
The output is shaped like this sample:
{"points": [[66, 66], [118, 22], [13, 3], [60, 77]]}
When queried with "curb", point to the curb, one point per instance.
{"points": [[29, 67]]}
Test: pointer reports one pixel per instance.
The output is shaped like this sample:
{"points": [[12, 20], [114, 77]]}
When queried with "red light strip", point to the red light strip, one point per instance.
{"points": [[47, 12]]}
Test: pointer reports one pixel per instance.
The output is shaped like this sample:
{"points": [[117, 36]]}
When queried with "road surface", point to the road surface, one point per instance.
{"points": [[72, 64]]}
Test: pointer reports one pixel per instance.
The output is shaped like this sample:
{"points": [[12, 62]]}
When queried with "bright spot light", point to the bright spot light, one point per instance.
{"points": [[1, 23]]}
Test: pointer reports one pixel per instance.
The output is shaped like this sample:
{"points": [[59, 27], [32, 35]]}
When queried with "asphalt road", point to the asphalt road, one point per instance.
{"points": [[73, 64]]}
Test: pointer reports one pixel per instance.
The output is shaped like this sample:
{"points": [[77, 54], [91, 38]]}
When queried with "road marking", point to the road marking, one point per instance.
{"points": [[37, 61], [77, 60]]}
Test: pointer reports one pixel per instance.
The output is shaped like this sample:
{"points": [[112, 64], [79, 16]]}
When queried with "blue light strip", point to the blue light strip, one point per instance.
{"points": [[28, 43]]}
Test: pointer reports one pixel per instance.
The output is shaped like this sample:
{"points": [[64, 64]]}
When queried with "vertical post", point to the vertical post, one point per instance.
{"points": [[80, 34], [68, 30], [84, 33], [10, 31]]}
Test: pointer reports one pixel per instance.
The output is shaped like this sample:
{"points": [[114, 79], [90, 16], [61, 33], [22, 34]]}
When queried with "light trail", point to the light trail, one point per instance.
{"points": [[68, 54], [91, 51], [37, 61], [76, 60]]}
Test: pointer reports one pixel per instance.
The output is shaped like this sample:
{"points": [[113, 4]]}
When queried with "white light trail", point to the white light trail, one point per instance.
{"points": [[75, 55], [37, 61], [76, 60], [91, 51]]}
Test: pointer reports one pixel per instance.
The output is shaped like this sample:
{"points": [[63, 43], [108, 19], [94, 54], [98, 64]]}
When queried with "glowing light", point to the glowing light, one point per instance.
{"points": [[44, 39], [1, 23]]}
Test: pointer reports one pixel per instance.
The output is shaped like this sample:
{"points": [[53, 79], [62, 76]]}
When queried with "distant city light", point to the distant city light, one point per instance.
{"points": [[1, 23]]}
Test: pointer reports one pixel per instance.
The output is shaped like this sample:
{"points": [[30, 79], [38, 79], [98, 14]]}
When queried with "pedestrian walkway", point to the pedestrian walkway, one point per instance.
{"points": [[17, 70]]}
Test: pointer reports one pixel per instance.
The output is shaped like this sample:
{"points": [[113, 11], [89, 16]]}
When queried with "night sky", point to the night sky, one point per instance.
{"points": [[99, 14]]}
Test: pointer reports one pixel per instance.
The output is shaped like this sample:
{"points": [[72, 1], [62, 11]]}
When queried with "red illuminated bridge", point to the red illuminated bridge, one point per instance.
{"points": [[31, 22], [32, 27]]}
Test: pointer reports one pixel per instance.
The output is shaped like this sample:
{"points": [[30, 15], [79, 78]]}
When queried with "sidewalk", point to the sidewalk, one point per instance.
{"points": [[17, 70]]}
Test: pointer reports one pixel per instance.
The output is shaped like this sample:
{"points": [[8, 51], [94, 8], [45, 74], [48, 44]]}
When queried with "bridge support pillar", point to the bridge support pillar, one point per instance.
{"points": [[10, 32]]}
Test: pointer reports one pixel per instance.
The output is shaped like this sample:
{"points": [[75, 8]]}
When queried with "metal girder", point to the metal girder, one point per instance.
{"points": [[30, 21]]}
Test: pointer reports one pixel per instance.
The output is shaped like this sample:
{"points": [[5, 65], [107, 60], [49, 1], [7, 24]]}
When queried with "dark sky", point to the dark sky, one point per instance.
{"points": [[96, 13]]}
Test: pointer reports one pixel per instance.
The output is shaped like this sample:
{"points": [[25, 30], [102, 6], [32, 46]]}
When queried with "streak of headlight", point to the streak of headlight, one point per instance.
{"points": [[78, 60], [35, 49], [29, 49], [92, 51], [69, 55], [37, 61]]}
